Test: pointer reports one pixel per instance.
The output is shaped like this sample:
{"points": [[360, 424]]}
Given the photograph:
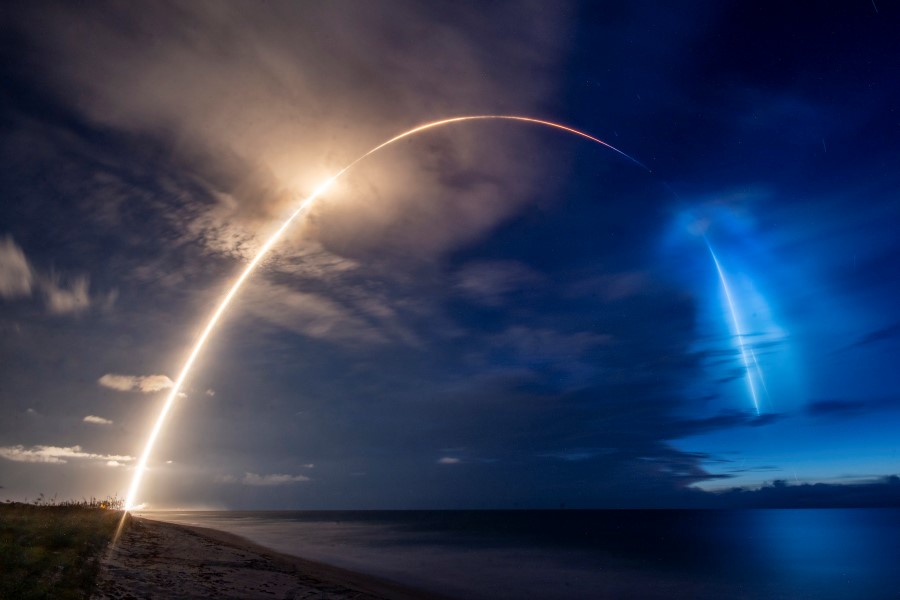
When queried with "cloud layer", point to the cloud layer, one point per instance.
{"points": [[97, 420], [56, 454], [16, 279], [146, 384], [258, 126], [254, 479], [19, 279], [493, 293]]}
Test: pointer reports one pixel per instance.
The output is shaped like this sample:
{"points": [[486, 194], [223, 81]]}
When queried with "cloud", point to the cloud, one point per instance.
{"points": [[97, 420], [18, 279], [724, 420], [313, 97], [319, 85], [614, 286], [880, 492], [548, 344], [836, 408], [62, 301], [879, 335], [840, 408], [136, 383], [489, 282], [567, 358], [449, 460], [309, 314], [578, 454], [55, 454], [263, 480]]}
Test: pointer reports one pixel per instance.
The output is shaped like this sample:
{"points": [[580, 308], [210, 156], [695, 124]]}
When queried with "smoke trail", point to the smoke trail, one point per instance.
{"points": [[304, 207], [747, 353], [759, 373]]}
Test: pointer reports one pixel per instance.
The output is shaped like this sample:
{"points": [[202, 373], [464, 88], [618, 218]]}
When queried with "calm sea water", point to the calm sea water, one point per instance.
{"points": [[593, 554]]}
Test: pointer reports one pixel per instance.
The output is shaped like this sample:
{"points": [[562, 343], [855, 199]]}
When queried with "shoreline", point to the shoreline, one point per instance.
{"points": [[157, 559]]}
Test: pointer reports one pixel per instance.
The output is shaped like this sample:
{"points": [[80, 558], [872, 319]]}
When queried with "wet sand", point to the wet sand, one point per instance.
{"points": [[153, 559]]}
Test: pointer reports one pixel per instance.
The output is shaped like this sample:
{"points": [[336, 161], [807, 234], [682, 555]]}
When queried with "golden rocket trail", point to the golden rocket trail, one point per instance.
{"points": [[303, 207]]}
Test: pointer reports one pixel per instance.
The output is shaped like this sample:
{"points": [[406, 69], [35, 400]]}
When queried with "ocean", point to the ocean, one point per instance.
{"points": [[565, 554]]}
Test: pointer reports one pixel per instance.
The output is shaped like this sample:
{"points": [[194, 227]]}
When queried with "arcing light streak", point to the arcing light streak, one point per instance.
{"points": [[747, 353], [251, 266], [443, 122], [762, 379]]}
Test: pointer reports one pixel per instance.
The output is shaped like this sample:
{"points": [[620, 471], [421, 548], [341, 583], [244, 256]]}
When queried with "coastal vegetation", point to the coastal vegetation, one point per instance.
{"points": [[53, 550]]}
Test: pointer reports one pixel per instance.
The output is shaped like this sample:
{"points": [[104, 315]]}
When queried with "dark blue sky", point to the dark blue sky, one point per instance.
{"points": [[485, 315]]}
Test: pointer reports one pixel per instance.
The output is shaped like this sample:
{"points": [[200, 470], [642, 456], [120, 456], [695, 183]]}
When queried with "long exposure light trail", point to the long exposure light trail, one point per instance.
{"points": [[301, 209], [747, 354]]}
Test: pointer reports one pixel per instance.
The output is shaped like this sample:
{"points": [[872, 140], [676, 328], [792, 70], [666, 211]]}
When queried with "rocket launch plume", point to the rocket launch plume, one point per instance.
{"points": [[301, 209], [748, 356]]}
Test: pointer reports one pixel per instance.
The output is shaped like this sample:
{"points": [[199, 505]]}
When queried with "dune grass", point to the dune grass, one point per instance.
{"points": [[52, 551]]}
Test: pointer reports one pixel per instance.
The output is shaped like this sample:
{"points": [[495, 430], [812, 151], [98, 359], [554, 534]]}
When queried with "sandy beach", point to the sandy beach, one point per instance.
{"points": [[153, 559]]}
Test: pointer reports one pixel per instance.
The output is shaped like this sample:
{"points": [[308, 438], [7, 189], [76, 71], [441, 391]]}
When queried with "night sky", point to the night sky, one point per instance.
{"points": [[485, 315]]}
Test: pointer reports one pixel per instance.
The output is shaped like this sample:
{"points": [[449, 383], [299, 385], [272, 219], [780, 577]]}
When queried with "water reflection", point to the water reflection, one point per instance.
{"points": [[828, 553], [821, 554]]}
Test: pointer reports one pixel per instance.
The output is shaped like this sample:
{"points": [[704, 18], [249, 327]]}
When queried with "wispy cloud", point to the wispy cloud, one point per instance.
{"points": [[258, 147], [62, 300], [449, 460], [136, 383], [612, 287], [489, 282], [255, 479], [56, 454], [843, 408], [19, 279], [884, 334], [308, 314], [528, 350], [16, 279], [577, 454], [97, 420]]}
